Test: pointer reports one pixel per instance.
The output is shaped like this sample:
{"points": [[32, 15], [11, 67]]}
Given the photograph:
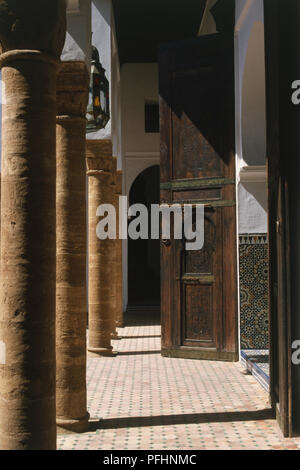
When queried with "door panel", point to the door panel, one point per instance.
{"points": [[199, 288], [198, 323]]}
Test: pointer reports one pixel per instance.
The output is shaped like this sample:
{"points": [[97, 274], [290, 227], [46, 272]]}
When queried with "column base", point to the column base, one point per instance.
{"points": [[74, 425], [115, 336], [103, 352]]}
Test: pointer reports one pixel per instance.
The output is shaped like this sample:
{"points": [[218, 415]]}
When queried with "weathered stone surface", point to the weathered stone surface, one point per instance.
{"points": [[114, 250], [72, 89], [119, 270], [71, 295], [27, 286], [101, 313], [98, 155]]}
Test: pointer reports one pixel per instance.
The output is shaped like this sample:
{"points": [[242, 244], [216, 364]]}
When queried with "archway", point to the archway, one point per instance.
{"points": [[144, 255]]}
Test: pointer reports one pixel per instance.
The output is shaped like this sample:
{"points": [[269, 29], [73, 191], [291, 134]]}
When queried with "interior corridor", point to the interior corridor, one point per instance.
{"points": [[140, 400]]}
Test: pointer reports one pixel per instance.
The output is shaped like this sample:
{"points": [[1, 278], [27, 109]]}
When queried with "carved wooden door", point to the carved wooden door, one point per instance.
{"points": [[199, 288]]}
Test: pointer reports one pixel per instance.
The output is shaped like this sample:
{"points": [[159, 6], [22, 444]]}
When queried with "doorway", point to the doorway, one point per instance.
{"points": [[144, 255], [199, 301]]}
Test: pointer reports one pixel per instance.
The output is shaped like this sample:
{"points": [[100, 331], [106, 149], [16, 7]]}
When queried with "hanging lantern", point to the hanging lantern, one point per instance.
{"points": [[98, 112]]}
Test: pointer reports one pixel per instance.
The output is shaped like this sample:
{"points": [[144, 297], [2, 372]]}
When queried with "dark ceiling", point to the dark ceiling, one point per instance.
{"points": [[142, 25]]}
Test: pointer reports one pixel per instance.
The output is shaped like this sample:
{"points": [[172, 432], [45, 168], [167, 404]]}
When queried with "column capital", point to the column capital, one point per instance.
{"points": [[72, 89], [99, 157], [36, 25]]}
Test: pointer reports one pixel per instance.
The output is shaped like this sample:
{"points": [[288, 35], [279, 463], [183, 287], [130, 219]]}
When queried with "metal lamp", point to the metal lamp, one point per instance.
{"points": [[98, 112]]}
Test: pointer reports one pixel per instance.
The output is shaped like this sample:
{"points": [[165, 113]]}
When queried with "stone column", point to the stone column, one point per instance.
{"points": [[114, 199], [71, 295], [119, 264], [101, 313], [31, 41]]}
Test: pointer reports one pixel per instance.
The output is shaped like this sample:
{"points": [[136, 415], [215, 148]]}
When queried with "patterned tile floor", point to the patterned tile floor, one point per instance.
{"points": [[140, 400]]}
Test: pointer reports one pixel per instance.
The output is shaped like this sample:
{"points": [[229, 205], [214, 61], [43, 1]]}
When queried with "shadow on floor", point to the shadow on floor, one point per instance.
{"points": [[142, 316], [136, 353], [140, 337], [197, 418]]}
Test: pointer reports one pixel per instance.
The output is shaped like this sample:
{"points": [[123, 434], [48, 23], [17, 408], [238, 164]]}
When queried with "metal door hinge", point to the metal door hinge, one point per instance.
{"points": [[278, 226]]}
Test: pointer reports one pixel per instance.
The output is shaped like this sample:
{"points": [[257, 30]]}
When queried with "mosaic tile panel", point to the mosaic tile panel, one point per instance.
{"points": [[254, 291]]}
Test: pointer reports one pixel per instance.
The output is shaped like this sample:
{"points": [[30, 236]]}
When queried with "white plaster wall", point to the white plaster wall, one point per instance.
{"points": [[116, 121], [139, 83], [78, 38], [250, 113], [249, 79], [252, 216]]}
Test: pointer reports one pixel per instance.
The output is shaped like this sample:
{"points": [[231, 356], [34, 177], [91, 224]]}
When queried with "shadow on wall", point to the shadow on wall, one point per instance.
{"points": [[253, 210], [254, 93], [104, 9], [259, 192]]}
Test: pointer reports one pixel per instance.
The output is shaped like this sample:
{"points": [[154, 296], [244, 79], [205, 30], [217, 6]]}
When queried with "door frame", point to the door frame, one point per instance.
{"points": [[278, 221]]}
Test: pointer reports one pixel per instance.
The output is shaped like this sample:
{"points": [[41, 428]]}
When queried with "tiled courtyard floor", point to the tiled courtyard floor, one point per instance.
{"points": [[140, 400]]}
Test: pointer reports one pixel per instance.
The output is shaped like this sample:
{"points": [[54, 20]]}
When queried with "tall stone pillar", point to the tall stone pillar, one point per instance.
{"points": [[119, 264], [71, 295], [114, 202], [101, 307], [31, 39]]}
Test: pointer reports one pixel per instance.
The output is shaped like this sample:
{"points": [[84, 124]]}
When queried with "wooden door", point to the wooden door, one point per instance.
{"points": [[199, 288], [277, 29]]}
